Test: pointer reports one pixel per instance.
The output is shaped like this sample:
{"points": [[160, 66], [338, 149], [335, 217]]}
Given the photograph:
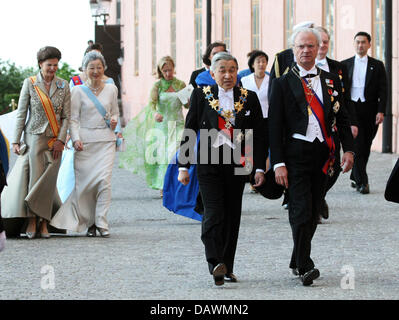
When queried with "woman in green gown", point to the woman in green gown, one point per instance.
{"points": [[154, 135]]}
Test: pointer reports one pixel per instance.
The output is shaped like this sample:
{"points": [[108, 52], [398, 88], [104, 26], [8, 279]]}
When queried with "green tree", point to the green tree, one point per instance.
{"points": [[11, 79], [65, 72]]}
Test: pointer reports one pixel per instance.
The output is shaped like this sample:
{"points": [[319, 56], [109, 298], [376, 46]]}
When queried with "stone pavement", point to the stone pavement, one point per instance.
{"points": [[155, 254]]}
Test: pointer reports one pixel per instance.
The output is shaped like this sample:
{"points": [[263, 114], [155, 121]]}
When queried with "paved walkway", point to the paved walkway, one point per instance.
{"points": [[155, 254]]}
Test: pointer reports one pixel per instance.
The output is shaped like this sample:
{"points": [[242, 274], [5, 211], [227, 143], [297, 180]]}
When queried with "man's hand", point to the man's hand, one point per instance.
{"points": [[78, 145], [347, 162], [184, 177], [379, 118], [58, 147], [259, 179], [281, 175], [355, 131]]}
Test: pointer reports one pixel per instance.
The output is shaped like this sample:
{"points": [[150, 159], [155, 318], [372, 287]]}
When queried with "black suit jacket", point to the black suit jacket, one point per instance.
{"points": [[341, 71], [283, 62], [194, 76], [375, 90], [288, 113], [202, 116]]}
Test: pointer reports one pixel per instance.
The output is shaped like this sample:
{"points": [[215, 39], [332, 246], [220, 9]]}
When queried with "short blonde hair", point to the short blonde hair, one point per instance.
{"points": [[162, 62]]}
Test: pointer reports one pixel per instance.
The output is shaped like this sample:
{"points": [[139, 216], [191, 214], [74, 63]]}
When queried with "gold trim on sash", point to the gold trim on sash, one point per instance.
{"points": [[49, 111]]}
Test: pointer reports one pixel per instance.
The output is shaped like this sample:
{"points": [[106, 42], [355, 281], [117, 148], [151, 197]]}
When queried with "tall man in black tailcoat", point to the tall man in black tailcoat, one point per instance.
{"points": [[369, 95], [329, 65], [304, 105], [283, 62], [219, 109]]}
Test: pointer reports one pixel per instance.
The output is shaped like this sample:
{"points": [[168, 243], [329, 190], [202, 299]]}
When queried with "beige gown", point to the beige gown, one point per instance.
{"points": [[31, 187], [90, 199]]}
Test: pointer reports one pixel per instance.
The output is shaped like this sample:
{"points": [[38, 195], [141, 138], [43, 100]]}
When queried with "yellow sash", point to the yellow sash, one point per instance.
{"points": [[49, 110]]}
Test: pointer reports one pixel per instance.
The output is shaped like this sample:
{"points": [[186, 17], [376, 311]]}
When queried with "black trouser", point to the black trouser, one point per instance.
{"points": [[221, 192], [306, 189], [367, 130]]}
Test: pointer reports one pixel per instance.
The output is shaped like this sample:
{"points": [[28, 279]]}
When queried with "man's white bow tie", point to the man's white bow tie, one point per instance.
{"points": [[225, 94], [363, 59], [321, 62]]}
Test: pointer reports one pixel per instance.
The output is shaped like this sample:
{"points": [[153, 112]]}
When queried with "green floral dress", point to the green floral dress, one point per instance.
{"points": [[150, 144]]}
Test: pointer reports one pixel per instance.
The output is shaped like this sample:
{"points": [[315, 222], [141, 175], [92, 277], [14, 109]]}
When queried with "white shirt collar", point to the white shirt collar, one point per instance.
{"points": [[321, 62], [304, 73], [228, 93], [363, 59]]}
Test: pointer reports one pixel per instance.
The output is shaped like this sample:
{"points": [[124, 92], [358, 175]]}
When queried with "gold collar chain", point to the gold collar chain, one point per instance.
{"points": [[226, 114]]}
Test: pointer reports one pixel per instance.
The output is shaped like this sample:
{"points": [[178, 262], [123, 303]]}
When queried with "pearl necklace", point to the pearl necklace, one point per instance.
{"points": [[95, 90]]}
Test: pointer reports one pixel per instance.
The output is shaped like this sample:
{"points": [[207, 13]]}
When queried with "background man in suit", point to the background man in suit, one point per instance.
{"points": [[216, 108], [369, 94], [339, 69], [304, 106], [210, 51]]}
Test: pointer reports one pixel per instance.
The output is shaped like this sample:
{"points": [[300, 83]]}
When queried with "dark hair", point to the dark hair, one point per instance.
{"points": [[46, 53], [251, 52], [254, 55], [95, 46], [364, 34], [205, 57]]}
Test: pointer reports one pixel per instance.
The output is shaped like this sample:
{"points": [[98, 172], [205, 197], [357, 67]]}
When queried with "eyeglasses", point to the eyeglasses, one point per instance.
{"points": [[309, 46]]}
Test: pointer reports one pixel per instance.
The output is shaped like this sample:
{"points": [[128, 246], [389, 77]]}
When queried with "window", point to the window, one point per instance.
{"points": [[255, 25], [227, 23], [118, 12], [329, 22], [198, 33], [379, 30], [136, 37], [173, 30], [154, 35], [289, 20]]}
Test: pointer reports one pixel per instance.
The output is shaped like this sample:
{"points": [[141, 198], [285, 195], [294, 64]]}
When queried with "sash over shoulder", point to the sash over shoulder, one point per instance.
{"points": [[49, 111]]}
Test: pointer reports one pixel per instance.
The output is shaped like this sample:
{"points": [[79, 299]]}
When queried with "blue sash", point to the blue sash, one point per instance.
{"points": [[101, 110]]}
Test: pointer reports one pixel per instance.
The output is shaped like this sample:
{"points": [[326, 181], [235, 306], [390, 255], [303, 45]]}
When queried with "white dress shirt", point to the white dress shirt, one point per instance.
{"points": [[249, 83], [313, 130], [226, 102], [359, 78]]}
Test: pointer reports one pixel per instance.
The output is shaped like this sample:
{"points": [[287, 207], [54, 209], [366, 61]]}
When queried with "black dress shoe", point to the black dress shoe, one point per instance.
{"points": [[354, 185], [231, 277], [308, 277], [218, 274], [295, 272], [364, 189], [324, 210]]}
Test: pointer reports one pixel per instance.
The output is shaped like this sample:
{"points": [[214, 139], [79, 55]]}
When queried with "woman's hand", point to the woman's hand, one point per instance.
{"points": [[184, 177], [158, 117], [78, 145], [58, 147], [15, 148], [113, 124]]}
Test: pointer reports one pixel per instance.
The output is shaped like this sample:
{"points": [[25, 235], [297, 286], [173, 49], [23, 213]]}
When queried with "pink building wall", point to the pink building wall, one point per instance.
{"points": [[351, 16]]}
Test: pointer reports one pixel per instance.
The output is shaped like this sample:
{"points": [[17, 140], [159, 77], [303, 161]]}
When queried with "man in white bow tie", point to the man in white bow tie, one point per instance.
{"points": [[369, 95], [305, 104], [229, 112], [325, 63]]}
